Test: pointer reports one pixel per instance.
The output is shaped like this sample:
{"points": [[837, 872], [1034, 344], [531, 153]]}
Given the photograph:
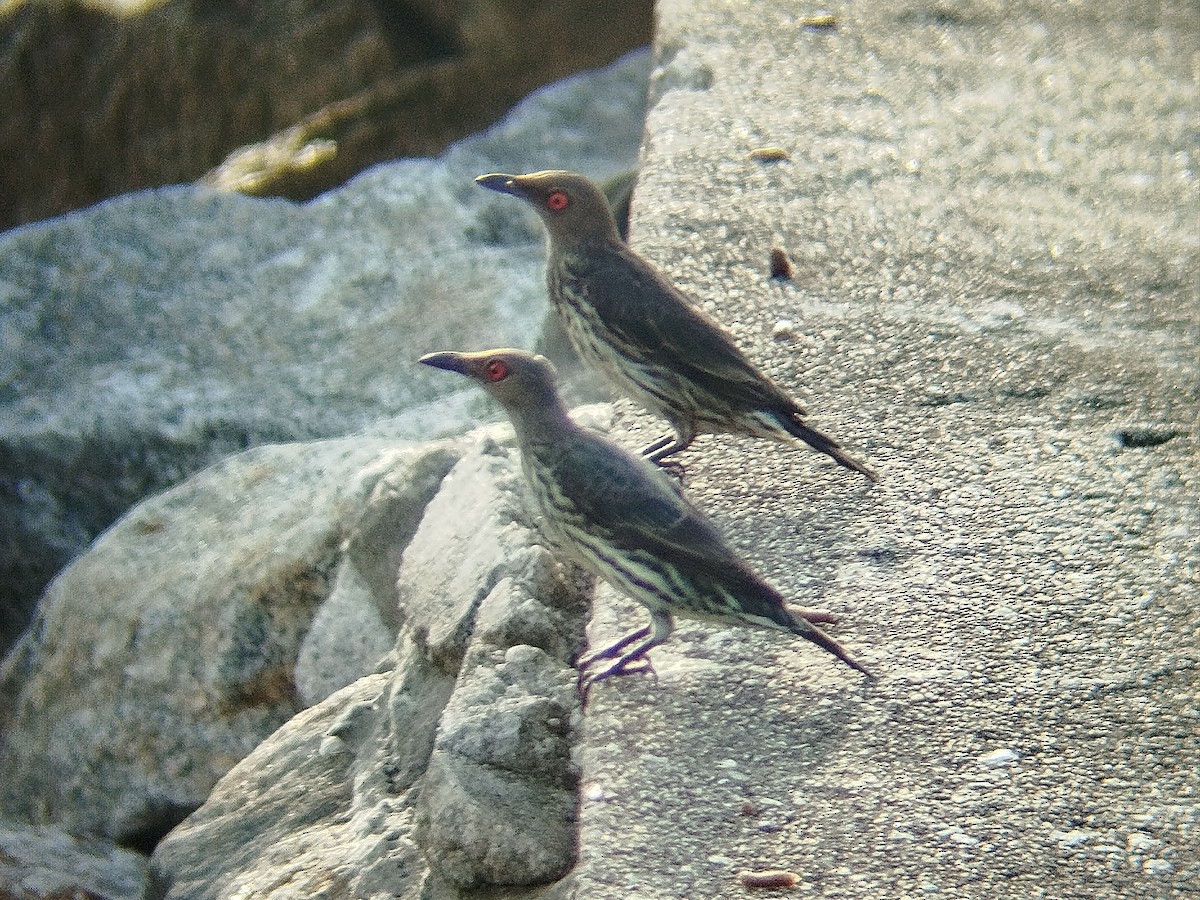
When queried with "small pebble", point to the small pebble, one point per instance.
{"points": [[1158, 867], [1068, 839], [781, 266], [784, 329], [769, 154], [774, 878], [821, 22], [1142, 843], [998, 758]]}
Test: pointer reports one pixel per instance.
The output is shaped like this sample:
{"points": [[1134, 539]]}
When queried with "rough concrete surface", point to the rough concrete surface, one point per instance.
{"points": [[991, 210]]}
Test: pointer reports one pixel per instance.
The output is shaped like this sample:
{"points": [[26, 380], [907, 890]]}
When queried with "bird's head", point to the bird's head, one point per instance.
{"points": [[523, 383], [573, 208]]}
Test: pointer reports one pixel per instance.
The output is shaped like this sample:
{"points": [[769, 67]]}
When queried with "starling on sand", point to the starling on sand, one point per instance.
{"points": [[626, 320], [623, 519]]}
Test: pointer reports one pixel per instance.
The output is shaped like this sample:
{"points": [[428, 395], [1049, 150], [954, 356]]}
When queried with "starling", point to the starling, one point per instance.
{"points": [[626, 320], [621, 518]]}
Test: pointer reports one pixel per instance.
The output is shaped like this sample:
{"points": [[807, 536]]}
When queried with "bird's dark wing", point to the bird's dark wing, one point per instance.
{"points": [[645, 310], [636, 507], [621, 494]]}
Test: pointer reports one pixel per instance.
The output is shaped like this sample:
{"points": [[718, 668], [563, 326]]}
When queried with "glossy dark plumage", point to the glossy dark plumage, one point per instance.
{"points": [[623, 519], [626, 320]]}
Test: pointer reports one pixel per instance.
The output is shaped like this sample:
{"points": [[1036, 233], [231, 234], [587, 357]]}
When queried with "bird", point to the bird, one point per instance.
{"points": [[625, 319], [623, 519]]}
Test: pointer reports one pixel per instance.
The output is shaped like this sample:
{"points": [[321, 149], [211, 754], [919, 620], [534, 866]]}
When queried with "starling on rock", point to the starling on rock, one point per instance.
{"points": [[625, 319], [623, 519]]}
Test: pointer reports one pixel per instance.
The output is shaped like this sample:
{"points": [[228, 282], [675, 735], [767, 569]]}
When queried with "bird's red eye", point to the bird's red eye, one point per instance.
{"points": [[557, 201], [496, 370]]}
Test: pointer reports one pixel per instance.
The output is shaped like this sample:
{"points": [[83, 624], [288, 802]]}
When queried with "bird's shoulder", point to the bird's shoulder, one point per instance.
{"points": [[639, 507], [642, 308], [599, 475], [621, 283]]}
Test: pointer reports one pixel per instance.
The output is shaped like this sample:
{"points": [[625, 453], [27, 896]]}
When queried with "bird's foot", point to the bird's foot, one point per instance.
{"points": [[667, 445], [635, 663], [625, 661], [658, 452], [672, 468]]}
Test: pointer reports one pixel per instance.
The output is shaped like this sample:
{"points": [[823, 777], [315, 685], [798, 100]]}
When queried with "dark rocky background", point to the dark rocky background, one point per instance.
{"points": [[98, 102]]}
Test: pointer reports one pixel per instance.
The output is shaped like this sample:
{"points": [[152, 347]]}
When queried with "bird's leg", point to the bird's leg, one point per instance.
{"points": [[635, 661], [614, 650], [668, 445], [650, 449]]}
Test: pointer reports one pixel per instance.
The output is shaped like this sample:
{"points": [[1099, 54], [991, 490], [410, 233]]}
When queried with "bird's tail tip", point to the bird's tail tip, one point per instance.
{"points": [[823, 443], [855, 465], [859, 667], [806, 629]]}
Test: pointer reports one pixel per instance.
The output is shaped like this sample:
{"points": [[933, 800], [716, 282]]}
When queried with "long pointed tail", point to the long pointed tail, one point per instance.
{"points": [[818, 440], [811, 632]]}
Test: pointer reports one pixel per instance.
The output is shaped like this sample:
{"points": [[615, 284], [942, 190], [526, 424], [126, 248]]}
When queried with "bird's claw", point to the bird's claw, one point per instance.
{"points": [[632, 664], [673, 468], [816, 616]]}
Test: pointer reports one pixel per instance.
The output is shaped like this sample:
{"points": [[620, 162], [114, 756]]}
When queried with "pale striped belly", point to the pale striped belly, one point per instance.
{"points": [[645, 381]]}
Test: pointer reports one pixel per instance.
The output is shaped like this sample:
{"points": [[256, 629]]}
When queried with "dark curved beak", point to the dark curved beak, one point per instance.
{"points": [[505, 184], [448, 360]]}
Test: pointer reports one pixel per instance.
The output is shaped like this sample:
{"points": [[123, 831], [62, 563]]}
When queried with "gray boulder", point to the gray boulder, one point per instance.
{"points": [[154, 334], [43, 863], [167, 652], [451, 769]]}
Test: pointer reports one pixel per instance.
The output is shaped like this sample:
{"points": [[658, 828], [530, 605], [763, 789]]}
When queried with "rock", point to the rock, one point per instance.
{"points": [[447, 569], [322, 761], [146, 338], [999, 758], [357, 625], [451, 769], [41, 863], [346, 631], [498, 801], [498, 65], [108, 97], [168, 651]]}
